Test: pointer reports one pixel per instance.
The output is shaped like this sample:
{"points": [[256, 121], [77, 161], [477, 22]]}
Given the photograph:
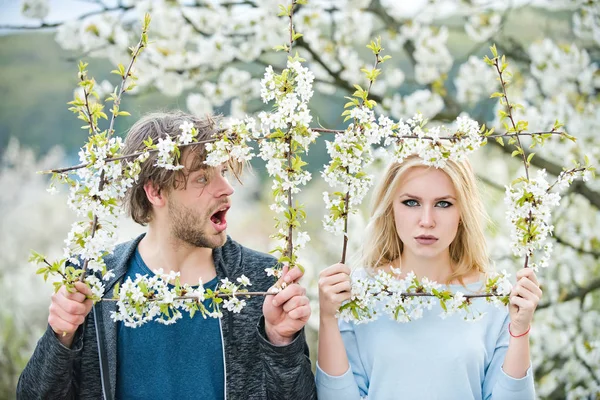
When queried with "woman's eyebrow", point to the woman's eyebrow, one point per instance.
{"points": [[418, 198]]}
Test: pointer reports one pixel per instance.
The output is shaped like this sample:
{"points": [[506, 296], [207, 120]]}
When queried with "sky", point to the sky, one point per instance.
{"points": [[60, 10]]}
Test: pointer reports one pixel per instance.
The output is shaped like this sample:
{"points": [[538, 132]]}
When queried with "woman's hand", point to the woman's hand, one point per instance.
{"points": [[524, 299], [334, 289]]}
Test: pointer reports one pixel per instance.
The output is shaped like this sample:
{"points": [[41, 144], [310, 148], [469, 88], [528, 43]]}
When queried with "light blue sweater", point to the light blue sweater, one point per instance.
{"points": [[429, 358]]}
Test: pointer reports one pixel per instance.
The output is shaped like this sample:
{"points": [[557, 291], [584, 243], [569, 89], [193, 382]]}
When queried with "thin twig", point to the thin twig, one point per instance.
{"points": [[347, 197], [115, 112], [133, 155], [221, 295], [509, 108]]}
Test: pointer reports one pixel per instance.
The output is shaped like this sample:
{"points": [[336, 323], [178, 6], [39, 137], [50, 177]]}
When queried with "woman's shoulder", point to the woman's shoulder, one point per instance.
{"points": [[361, 273]]}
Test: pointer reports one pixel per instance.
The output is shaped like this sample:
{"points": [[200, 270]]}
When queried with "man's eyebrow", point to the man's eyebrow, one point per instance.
{"points": [[418, 198]]}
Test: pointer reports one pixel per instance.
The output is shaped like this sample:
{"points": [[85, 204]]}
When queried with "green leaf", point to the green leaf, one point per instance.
{"points": [[530, 157], [494, 50]]}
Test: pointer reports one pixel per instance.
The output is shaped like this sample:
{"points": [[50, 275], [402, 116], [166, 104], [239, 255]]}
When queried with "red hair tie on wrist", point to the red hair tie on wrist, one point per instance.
{"points": [[522, 334]]}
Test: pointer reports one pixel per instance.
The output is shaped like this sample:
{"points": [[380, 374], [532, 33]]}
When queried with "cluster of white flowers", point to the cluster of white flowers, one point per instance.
{"points": [[406, 299], [35, 9], [562, 68], [428, 143], [480, 27], [433, 59], [161, 297], [475, 81], [586, 21], [350, 152], [284, 134], [529, 206], [96, 193], [422, 101], [233, 144]]}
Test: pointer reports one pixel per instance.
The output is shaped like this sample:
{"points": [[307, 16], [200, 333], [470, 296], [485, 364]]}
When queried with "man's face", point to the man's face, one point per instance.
{"points": [[197, 213]]}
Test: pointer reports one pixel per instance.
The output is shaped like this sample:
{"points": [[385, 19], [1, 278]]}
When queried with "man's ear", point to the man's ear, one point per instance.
{"points": [[155, 196]]}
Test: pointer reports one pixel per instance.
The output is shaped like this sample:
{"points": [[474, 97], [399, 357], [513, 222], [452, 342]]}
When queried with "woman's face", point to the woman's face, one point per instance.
{"points": [[426, 212]]}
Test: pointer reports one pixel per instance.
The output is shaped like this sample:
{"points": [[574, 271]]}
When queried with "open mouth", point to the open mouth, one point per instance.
{"points": [[218, 219]]}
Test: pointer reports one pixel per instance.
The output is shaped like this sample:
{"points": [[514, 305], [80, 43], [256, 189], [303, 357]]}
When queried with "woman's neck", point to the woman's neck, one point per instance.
{"points": [[436, 269]]}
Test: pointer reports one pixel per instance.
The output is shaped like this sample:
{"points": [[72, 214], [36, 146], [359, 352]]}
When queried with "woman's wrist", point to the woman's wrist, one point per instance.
{"points": [[518, 332], [327, 319]]}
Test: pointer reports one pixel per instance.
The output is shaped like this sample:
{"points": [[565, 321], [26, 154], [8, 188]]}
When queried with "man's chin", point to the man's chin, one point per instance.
{"points": [[220, 239]]}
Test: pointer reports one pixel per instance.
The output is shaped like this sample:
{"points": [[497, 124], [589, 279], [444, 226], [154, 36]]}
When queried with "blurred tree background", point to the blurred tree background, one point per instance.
{"points": [[209, 57]]}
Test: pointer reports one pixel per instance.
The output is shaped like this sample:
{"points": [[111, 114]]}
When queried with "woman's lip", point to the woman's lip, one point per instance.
{"points": [[426, 240]]}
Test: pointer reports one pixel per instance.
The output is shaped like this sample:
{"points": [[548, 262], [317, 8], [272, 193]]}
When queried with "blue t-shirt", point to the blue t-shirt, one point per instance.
{"points": [[428, 358], [179, 361]]}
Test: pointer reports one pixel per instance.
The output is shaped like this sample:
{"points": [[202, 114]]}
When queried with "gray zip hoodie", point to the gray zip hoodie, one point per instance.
{"points": [[255, 369]]}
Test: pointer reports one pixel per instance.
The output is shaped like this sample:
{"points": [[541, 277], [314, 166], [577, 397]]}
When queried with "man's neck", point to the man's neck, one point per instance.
{"points": [[160, 250]]}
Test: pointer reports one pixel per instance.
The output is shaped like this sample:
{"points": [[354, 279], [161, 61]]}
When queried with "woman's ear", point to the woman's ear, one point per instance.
{"points": [[154, 195]]}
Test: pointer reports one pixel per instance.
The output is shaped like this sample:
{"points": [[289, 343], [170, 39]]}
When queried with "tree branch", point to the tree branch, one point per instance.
{"points": [[578, 187], [44, 25], [578, 293]]}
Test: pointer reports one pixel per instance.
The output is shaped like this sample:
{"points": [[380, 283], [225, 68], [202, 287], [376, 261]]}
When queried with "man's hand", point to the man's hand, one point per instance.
{"points": [[68, 311], [288, 311]]}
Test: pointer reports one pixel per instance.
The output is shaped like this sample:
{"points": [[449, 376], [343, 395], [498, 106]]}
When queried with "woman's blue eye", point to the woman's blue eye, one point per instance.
{"points": [[443, 204], [410, 203]]}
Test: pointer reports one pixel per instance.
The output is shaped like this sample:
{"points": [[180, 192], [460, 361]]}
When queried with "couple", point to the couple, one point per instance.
{"points": [[425, 220]]}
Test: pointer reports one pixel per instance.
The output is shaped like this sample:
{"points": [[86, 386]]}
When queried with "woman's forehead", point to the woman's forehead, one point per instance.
{"points": [[428, 181]]}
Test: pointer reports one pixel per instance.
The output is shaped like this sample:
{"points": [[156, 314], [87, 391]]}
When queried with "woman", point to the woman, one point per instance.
{"points": [[427, 221]]}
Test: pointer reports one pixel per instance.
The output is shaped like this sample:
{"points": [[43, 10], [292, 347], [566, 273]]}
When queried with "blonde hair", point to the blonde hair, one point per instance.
{"points": [[468, 250]]}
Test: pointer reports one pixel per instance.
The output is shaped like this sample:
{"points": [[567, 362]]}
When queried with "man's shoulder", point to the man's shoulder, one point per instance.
{"points": [[122, 252], [249, 260]]}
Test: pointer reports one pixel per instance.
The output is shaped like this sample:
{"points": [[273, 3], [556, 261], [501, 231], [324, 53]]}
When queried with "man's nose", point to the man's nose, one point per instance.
{"points": [[220, 186]]}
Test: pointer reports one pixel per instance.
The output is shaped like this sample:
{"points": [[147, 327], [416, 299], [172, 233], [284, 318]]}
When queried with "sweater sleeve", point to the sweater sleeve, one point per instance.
{"points": [[287, 368], [497, 385], [354, 383], [49, 374]]}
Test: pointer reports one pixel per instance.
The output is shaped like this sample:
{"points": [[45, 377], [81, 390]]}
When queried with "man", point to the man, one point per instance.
{"points": [[260, 353]]}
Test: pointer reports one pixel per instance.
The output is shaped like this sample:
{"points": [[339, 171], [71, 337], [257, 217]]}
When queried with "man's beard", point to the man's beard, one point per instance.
{"points": [[188, 225]]}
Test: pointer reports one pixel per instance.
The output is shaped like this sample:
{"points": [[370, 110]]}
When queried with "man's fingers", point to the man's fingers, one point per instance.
{"points": [[76, 295], [295, 302], [293, 275], [71, 318], [300, 313], [83, 288], [288, 293], [72, 306]]}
